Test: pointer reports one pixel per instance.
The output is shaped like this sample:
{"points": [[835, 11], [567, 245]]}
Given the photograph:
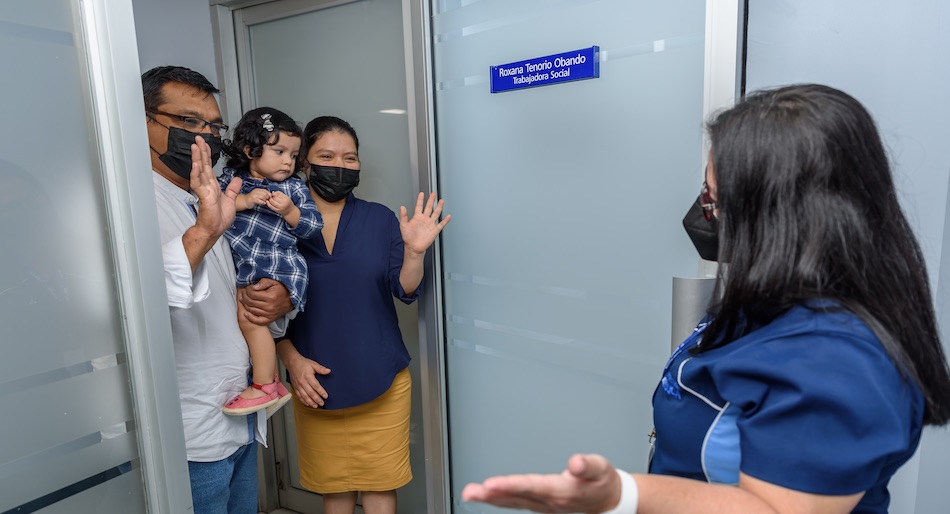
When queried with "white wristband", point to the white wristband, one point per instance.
{"points": [[629, 495]]}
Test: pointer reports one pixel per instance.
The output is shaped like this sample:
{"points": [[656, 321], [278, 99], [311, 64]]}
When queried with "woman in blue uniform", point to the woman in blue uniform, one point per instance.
{"points": [[352, 420], [808, 384]]}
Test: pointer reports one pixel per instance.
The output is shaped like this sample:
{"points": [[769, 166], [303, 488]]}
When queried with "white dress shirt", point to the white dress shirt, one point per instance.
{"points": [[211, 356]]}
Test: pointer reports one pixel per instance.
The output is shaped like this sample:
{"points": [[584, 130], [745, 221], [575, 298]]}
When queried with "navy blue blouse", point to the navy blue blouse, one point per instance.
{"points": [[350, 323]]}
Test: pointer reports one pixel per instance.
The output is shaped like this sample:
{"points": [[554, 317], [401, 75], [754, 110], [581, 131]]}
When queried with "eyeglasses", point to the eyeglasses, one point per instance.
{"points": [[193, 124], [707, 203]]}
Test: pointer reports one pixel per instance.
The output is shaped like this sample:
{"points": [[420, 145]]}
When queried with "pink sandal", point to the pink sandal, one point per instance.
{"points": [[239, 406], [283, 396]]}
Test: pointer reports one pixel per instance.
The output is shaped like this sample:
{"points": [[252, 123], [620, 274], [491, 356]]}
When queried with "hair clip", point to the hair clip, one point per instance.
{"points": [[268, 124]]}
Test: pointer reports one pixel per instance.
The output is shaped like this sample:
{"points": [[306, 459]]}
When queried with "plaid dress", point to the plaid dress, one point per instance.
{"points": [[263, 244]]}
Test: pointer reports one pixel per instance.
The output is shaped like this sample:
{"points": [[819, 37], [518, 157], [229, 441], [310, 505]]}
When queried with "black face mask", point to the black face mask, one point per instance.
{"points": [[333, 183], [704, 234], [178, 155]]}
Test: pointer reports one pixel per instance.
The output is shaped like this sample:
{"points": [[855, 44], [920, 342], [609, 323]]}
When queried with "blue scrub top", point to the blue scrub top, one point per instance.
{"points": [[811, 402], [350, 323]]}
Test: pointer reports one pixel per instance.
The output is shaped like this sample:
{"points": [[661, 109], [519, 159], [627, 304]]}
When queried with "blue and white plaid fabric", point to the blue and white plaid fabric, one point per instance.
{"points": [[263, 244]]}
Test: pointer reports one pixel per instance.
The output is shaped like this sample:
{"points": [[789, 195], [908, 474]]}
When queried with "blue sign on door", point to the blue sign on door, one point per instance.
{"points": [[550, 69]]}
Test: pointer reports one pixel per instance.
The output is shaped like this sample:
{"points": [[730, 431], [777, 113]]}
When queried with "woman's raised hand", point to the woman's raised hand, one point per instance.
{"points": [[419, 232]]}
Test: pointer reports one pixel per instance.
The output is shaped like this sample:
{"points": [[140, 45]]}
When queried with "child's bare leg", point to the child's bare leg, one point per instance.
{"points": [[263, 354]]}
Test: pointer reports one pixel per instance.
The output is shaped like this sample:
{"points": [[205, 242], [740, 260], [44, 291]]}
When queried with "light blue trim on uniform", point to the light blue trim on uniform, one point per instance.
{"points": [[721, 454]]}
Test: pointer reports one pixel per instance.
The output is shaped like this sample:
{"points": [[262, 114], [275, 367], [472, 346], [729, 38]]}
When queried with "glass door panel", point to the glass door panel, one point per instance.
{"points": [[566, 204], [69, 429]]}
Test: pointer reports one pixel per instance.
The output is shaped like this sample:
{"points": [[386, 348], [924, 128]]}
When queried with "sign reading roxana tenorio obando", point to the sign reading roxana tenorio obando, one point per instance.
{"points": [[550, 69]]}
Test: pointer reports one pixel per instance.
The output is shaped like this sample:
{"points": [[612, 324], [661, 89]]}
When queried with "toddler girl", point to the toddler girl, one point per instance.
{"points": [[274, 209]]}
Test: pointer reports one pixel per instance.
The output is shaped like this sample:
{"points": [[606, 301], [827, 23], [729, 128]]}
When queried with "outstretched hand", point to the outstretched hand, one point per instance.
{"points": [[419, 232], [589, 484], [215, 209]]}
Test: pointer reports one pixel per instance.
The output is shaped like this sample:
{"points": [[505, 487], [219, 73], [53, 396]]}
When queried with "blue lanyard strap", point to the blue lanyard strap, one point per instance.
{"points": [[689, 342], [668, 382]]}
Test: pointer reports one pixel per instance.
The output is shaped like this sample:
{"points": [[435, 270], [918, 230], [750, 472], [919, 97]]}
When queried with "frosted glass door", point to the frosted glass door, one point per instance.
{"points": [[567, 203], [68, 426]]}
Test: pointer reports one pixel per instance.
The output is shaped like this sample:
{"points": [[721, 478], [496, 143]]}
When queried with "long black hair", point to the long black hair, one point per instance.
{"points": [[808, 210], [257, 128]]}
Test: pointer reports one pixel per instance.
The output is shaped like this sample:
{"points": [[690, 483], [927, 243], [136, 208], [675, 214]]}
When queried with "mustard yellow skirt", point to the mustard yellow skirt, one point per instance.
{"points": [[362, 448]]}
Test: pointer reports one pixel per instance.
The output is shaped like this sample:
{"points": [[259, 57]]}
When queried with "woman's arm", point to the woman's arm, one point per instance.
{"points": [[410, 276], [591, 485], [418, 234]]}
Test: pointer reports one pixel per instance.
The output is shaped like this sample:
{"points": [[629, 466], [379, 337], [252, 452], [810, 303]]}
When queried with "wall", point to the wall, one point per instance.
{"points": [[891, 56], [175, 32]]}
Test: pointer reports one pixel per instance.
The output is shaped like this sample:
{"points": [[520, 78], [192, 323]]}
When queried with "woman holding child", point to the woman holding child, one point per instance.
{"points": [[345, 353]]}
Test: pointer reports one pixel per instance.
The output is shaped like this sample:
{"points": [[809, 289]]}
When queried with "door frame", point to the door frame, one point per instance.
{"points": [[230, 24], [110, 63]]}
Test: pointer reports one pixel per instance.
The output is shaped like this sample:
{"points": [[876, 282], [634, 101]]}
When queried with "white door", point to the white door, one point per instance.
{"points": [[91, 419]]}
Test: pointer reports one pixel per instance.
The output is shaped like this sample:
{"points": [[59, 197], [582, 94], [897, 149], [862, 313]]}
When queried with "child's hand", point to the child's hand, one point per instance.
{"points": [[280, 203], [258, 196], [254, 198]]}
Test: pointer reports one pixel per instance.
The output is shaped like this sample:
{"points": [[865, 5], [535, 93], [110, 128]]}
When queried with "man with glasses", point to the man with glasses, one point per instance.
{"points": [[185, 126]]}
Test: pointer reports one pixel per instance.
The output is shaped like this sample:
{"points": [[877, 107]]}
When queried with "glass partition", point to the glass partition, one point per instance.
{"points": [[567, 203], [69, 430]]}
